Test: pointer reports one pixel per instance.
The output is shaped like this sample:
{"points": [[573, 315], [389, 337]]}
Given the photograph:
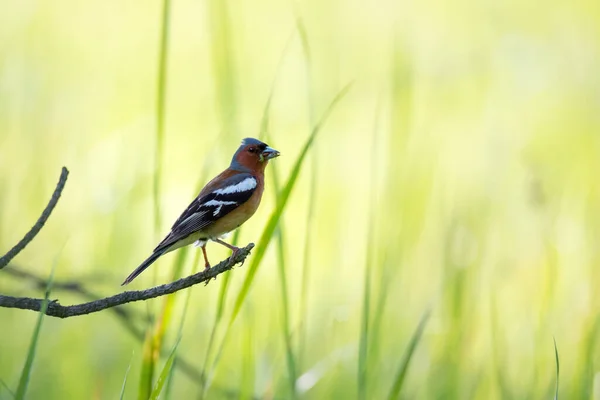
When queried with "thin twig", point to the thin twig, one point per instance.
{"points": [[60, 311], [72, 285], [126, 316], [4, 260]]}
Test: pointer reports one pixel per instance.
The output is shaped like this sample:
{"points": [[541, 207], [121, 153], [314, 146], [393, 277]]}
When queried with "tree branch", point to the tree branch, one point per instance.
{"points": [[4, 260], [126, 316], [60, 311], [75, 286]]}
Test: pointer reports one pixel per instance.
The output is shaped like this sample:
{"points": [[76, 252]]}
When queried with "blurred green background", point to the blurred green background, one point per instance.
{"points": [[460, 175]]}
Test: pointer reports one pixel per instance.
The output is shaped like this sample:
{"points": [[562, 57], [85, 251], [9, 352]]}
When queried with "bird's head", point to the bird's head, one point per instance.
{"points": [[252, 155]]}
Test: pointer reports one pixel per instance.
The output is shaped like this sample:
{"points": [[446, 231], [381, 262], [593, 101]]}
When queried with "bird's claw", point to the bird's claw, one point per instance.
{"points": [[234, 255], [206, 268], [210, 279]]}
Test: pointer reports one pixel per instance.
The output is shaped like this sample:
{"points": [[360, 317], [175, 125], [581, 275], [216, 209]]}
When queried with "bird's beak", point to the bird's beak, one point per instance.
{"points": [[269, 153]]}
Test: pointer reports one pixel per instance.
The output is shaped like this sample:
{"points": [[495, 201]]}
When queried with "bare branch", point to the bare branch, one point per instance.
{"points": [[4, 260], [125, 315], [75, 286], [60, 311]]}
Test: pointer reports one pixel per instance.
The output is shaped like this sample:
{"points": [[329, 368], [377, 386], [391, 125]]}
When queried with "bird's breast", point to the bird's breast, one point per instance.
{"points": [[236, 217]]}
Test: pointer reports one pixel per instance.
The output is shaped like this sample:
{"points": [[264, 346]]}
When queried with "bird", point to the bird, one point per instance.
{"points": [[225, 203]]}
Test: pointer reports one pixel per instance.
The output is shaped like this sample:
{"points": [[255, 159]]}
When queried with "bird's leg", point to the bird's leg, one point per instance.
{"points": [[206, 263], [233, 248]]}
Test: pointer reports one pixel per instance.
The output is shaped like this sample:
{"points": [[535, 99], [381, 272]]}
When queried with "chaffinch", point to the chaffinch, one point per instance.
{"points": [[224, 204]]}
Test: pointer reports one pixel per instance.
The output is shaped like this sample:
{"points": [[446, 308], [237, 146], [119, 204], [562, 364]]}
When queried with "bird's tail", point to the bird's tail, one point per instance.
{"points": [[142, 267]]}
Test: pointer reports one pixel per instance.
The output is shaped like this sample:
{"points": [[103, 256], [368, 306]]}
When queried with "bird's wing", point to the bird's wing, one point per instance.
{"points": [[209, 207]]}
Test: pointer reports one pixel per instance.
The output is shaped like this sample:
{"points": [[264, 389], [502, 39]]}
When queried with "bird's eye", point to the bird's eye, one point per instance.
{"points": [[252, 150]]}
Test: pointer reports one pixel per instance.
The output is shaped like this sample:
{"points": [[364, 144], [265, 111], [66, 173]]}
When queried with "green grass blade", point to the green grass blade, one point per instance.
{"points": [[403, 368], [5, 386], [26, 372], [147, 370], [290, 361], [363, 350], [302, 32], [364, 331], [224, 65], [160, 111], [269, 229], [383, 291], [281, 262], [122, 395], [557, 369], [153, 349], [312, 196], [364, 334], [505, 387], [264, 122], [166, 371], [303, 38], [247, 356], [285, 323]]}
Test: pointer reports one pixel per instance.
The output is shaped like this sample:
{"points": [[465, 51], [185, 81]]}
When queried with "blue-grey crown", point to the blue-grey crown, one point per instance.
{"points": [[253, 141]]}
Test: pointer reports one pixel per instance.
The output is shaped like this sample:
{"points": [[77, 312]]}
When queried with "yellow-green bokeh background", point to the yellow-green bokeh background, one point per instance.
{"points": [[485, 163]]}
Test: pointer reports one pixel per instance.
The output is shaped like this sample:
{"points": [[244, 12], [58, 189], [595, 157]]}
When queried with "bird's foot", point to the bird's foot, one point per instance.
{"points": [[206, 268], [208, 281], [234, 253]]}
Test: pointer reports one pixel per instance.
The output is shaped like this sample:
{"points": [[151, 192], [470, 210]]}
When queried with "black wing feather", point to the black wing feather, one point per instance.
{"points": [[204, 211]]}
